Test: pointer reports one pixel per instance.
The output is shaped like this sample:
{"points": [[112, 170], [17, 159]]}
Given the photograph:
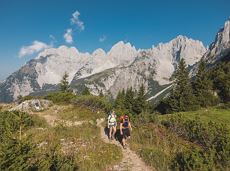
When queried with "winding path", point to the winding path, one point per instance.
{"points": [[131, 161]]}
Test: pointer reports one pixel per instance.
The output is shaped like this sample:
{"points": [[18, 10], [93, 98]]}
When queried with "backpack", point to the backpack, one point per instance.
{"points": [[111, 119], [125, 122]]}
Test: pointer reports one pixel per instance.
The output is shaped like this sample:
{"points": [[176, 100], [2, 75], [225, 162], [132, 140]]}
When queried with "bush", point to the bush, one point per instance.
{"points": [[14, 155], [53, 158], [192, 160], [213, 138], [61, 97], [144, 118], [224, 106], [155, 157], [94, 102], [28, 156], [11, 121]]}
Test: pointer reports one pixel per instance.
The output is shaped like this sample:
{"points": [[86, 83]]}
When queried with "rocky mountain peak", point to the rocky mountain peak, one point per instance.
{"points": [[99, 52], [122, 47], [122, 53], [223, 36], [220, 45]]}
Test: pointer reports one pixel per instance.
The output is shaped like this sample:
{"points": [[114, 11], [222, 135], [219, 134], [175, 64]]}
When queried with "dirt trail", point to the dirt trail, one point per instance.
{"points": [[131, 161], [53, 120]]}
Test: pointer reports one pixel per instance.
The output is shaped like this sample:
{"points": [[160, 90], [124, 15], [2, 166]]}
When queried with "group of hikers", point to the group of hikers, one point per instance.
{"points": [[124, 125]]}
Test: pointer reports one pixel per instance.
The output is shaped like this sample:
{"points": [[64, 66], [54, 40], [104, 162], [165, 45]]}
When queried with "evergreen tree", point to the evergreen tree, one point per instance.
{"points": [[140, 103], [101, 94], [120, 100], [181, 97], [202, 87], [64, 87], [129, 99], [86, 91], [15, 155], [123, 93], [19, 99], [221, 79]]}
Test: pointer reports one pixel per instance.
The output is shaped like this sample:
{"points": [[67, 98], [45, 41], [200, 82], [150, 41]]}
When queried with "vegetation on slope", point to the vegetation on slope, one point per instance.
{"points": [[183, 141], [34, 145]]}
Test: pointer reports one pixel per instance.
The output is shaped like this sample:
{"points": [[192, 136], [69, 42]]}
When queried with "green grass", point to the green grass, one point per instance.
{"points": [[75, 113], [159, 147], [205, 115], [79, 146], [83, 141]]}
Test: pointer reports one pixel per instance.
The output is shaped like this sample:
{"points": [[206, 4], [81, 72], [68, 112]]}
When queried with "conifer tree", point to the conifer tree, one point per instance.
{"points": [[101, 94], [120, 100], [86, 91], [181, 97], [220, 75], [140, 104], [129, 99], [202, 87], [64, 87]]}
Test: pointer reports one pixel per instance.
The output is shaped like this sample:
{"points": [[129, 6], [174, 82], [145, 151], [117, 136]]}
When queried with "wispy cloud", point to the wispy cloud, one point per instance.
{"points": [[76, 21], [102, 38], [35, 47], [68, 36], [53, 39]]}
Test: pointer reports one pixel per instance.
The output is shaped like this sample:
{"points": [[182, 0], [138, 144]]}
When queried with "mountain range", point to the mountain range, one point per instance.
{"points": [[121, 67]]}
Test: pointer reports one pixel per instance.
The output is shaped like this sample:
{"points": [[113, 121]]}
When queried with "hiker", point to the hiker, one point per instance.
{"points": [[125, 128], [112, 125]]}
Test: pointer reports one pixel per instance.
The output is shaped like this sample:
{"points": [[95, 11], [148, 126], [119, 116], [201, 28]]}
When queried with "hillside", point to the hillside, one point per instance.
{"points": [[184, 141], [61, 137], [72, 128]]}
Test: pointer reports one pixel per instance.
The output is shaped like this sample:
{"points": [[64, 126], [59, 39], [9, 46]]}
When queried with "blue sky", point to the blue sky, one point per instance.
{"points": [[101, 23]]}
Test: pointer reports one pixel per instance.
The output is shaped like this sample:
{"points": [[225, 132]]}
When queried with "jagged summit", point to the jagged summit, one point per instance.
{"points": [[122, 53], [47, 69], [221, 43], [168, 54], [223, 36], [99, 52], [122, 44]]}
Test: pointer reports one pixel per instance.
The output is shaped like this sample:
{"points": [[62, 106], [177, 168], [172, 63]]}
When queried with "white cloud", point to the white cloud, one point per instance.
{"points": [[35, 47], [102, 38], [76, 21], [68, 36]]}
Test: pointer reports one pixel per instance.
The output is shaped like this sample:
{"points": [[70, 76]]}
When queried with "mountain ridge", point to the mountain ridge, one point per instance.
{"points": [[129, 66]]}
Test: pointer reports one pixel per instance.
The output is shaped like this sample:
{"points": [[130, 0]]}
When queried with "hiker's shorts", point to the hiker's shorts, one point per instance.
{"points": [[112, 124], [126, 132]]}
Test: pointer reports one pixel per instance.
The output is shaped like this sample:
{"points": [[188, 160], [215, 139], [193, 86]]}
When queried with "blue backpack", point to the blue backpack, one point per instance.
{"points": [[126, 122]]}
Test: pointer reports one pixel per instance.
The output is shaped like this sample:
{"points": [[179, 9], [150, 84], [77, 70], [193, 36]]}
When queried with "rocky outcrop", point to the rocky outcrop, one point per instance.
{"points": [[33, 105]]}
